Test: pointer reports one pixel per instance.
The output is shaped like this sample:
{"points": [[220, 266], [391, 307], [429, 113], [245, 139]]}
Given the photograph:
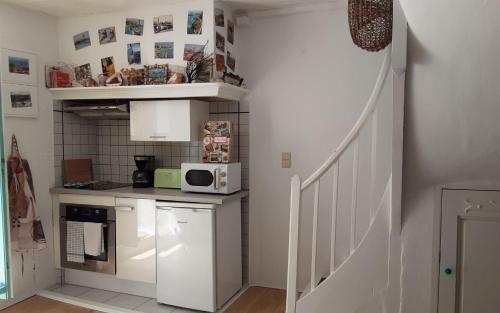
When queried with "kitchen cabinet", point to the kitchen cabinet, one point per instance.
{"points": [[198, 254], [135, 240], [167, 120]]}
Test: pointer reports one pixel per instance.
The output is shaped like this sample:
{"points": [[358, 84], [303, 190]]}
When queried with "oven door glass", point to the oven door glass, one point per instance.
{"points": [[200, 178]]}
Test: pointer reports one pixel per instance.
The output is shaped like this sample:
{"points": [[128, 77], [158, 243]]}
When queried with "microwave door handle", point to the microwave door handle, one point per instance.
{"points": [[216, 179]]}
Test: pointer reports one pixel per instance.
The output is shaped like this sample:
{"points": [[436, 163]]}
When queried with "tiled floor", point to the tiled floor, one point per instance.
{"points": [[117, 300]]}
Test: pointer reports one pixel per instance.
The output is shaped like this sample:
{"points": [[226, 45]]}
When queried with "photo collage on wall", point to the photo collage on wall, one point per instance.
{"points": [[19, 83], [224, 59], [136, 27]]}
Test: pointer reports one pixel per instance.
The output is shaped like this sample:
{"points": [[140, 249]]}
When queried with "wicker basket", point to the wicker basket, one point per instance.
{"points": [[370, 22]]}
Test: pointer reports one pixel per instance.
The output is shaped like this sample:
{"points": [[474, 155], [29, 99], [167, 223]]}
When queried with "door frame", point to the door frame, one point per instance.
{"points": [[437, 225], [4, 214]]}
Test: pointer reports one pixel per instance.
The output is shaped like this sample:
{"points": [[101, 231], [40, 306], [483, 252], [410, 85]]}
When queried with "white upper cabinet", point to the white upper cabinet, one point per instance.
{"points": [[167, 120]]}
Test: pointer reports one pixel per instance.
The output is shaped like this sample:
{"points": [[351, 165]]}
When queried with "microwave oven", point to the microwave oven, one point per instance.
{"points": [[211, 177]]}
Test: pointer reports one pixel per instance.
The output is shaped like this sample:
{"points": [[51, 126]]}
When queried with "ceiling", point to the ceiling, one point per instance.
{"points": [[65, 8]]}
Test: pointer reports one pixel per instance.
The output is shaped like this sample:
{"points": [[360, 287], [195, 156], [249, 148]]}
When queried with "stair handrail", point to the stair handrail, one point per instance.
{"points": [[365, 114], [297, 187]]}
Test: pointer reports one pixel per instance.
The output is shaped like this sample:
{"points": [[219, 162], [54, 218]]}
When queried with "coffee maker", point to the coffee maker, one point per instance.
{"points": [[143, 177]]}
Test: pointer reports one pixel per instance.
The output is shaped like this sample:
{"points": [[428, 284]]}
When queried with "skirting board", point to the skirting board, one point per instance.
{"points": [[112, 309]]}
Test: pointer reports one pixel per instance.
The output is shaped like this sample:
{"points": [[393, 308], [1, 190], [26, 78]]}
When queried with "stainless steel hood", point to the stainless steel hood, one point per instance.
{"points": [[98, 109]]}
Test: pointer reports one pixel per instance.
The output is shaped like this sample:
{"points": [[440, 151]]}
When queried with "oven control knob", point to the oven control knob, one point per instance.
{"points": [[222, 174], [223, 183]]}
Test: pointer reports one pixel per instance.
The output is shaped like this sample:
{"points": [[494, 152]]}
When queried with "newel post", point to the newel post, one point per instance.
{"points": [[293, 245]]}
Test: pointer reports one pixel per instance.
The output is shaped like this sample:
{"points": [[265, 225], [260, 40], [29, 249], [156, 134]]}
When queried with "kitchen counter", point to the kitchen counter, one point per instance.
{"points": [[155, 194]]}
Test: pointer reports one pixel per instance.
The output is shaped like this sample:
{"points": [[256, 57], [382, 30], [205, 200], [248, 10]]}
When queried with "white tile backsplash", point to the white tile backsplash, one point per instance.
{"points": [[108, 144]]}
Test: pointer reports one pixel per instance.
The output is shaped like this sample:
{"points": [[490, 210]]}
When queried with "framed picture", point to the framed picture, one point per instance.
{"points": [[20, 100], [19, 67], [195, 22], [164, 23], [134, 26], [220, 42], [134, 53], [107, 35], [82, 40], [230, 61], [230, 32], [192, 51], [219, 17], [156, 74], [164, 50]]}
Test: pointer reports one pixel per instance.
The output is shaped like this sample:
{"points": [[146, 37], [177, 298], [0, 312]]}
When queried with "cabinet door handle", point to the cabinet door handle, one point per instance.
{"points": [[124, 208], [157, 137]]}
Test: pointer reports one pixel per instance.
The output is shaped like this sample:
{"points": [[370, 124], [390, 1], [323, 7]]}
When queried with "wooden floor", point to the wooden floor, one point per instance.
{"points": [[254, 300], [261, 300]]}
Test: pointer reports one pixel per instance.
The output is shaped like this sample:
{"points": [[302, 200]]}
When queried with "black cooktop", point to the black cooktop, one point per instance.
{"points": [[98, 185]]}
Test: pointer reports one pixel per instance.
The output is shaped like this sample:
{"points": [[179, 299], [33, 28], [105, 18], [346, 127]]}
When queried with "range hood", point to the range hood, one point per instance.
{"points": [[99, 109]]}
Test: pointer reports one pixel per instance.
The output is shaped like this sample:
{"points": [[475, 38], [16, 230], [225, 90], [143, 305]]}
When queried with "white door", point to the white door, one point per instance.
{"points": [[136, 239], [469, 280], [186, 258]]}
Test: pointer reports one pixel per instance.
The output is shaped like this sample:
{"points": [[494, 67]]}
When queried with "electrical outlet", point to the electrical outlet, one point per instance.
{"points": [[286, 160]]}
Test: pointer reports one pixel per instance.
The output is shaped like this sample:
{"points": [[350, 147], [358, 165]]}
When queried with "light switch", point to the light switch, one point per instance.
{"points": [[286, 160]]}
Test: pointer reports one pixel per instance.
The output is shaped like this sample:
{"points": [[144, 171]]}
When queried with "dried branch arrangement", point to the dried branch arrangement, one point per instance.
{"points": [[199, 66]]}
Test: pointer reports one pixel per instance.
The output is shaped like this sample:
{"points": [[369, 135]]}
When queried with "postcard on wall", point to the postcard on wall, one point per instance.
{"points": [[19, 67], [191, 51], [230, 32], [164, 50], [220, 42], [108, 66], [134, 53], [134, 26], [81, 40], [20, 100], [164, 23], [195, 22], [83, 72], [230, 61], [107, 35], [220, 61], [219, 17]]}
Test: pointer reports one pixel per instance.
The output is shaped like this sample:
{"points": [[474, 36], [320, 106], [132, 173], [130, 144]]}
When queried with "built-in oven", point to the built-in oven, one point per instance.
{"points": [[106, 261]]}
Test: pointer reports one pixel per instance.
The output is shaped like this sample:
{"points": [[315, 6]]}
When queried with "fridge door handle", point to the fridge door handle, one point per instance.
{"points": [[124, 208], [164, 208]]}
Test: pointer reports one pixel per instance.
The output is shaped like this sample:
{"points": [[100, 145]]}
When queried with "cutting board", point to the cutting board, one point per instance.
{"points": [[77, 171]]}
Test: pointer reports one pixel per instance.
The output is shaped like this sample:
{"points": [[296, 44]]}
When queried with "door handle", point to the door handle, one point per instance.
{"points": [[216, 179], [448, 271], [124, 208]]}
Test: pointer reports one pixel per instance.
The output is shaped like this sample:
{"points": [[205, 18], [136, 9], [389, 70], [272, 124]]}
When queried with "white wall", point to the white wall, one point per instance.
{"points": [[68, 27], [309, 84], [452, 130], [36, 33]]}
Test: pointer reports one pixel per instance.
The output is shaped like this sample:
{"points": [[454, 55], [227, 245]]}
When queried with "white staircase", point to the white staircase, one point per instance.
{"points": [[367, 280]]}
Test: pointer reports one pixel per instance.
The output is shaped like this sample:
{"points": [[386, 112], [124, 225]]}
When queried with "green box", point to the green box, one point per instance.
{"points": [[168, 178]]}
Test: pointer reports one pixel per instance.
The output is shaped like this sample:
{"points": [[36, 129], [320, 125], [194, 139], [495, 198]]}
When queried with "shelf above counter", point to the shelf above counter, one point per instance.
{"points": [[211, 92]]}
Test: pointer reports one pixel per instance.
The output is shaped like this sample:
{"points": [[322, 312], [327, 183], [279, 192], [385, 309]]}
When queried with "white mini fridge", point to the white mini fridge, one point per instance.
{"points": [[186, 256]]}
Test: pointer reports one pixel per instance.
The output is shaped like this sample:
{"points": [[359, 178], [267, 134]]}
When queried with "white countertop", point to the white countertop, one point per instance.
{"points": [[156, 194]]}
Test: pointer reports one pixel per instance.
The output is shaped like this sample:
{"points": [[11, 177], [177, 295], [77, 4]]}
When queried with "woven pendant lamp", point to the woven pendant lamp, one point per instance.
{"points": [[370, 22]]}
